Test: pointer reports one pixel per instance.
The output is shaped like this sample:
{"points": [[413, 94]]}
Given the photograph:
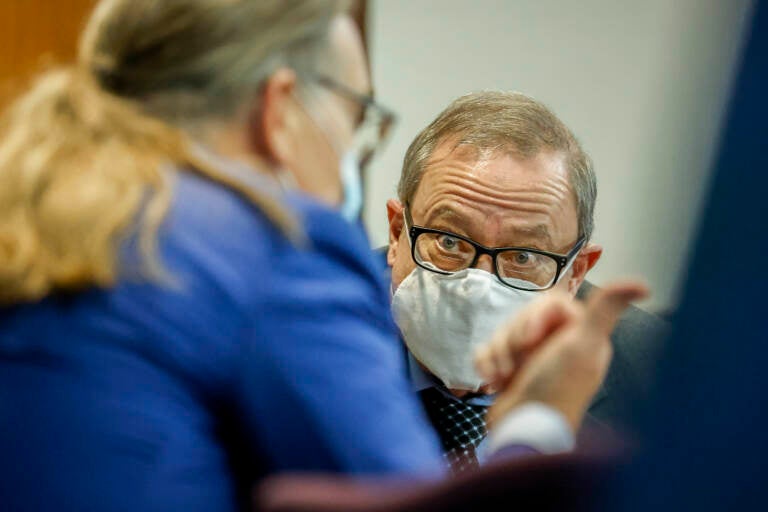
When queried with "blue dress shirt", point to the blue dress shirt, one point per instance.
{"points": [[257, 356]]}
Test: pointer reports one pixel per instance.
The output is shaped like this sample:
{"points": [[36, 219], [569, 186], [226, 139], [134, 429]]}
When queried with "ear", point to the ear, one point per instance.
{"points": [[395, 216], [271, 118], [583, 263]]}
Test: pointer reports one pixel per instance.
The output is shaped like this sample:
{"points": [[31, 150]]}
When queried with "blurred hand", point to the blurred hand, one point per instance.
{"points": [[556, 351]]}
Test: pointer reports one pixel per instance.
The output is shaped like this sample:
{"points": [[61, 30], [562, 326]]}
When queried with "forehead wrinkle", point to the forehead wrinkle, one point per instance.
{"points": [[472, 201], [472, 176], [492, 192], [543, 200]]}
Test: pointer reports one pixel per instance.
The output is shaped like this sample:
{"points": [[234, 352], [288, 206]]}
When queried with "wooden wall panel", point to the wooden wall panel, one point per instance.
{"points": [[34, 33]]}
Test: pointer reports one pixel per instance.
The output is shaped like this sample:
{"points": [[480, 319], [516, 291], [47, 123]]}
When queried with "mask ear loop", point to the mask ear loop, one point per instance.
{"points": [[349, 176], [308, 112]]}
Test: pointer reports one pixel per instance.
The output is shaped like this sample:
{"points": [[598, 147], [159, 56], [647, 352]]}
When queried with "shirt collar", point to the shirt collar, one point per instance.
{"points": [[421, 380]]}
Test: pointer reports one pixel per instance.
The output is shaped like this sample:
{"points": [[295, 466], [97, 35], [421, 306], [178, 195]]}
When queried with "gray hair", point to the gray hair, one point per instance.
{"points": [[190, 60], [509, 122], [92, 140]]}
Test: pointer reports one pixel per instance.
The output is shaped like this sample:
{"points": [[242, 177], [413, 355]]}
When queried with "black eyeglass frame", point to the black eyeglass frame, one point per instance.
{"points": [[562, 260]]}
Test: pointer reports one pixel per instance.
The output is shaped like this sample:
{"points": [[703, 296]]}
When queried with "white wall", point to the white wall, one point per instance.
{"points": [[641, 83]]}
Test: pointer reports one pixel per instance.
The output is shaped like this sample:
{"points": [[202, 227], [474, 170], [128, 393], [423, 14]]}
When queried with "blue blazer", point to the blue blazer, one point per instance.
{"points": [[262, 357]]}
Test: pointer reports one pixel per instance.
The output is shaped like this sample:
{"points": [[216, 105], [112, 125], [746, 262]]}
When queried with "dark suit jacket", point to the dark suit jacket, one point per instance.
{"points": [[637, 342]]}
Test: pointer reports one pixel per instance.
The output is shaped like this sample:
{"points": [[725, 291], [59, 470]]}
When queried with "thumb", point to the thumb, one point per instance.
{"points": [[605, 305]]}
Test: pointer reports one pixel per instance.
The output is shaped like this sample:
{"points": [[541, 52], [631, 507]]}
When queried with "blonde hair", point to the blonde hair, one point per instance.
{"points": [[492, 121], [82, 153]]}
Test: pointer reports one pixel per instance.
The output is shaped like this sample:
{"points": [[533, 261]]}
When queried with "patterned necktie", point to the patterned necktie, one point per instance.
{"points": [[461, 427]]}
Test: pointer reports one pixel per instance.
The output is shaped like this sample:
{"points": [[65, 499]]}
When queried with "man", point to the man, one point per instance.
{"points": [[267, 351], [495, 207]]}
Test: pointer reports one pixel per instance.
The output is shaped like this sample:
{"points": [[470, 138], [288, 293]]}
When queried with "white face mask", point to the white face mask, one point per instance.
{"points": [[445, 318]]}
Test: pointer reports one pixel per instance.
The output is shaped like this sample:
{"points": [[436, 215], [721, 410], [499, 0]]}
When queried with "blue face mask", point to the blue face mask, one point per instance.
{"points": [[352, 204]]}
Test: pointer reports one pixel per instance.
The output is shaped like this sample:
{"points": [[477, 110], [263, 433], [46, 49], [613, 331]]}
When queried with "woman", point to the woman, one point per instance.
{"points": [[187, 302], [173, 324]]}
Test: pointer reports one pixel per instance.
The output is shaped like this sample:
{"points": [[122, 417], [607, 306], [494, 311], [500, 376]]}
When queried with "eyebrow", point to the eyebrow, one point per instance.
{"points": [[538, 233], [458, 223], [444, 212]]}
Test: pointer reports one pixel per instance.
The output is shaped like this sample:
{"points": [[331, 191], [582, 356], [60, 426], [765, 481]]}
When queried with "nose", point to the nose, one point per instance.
{"points": [[484, 262]]}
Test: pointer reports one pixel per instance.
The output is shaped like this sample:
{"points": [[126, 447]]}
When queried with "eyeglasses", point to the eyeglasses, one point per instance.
{"points": [[374, 125], [522, 268]]}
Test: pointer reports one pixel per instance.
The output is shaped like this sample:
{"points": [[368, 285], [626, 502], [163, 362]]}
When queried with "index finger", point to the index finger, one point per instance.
{"points": [[605, 305], [524, 332]]}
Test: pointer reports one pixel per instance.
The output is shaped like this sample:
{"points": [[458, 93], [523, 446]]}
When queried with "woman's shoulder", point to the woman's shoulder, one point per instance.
{"points": [[227, 220]]}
